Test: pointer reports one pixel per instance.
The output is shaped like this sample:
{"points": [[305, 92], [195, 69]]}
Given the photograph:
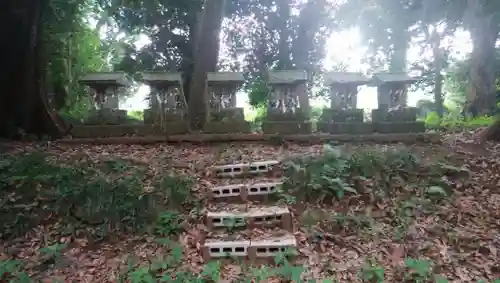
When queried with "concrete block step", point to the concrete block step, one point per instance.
{"points": [[245, 192], [253, 250], [243, 169], [241, 216]]}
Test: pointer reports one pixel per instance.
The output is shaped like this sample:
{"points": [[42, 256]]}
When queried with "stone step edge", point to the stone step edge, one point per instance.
{"points": [[248, 248], [258, 217], [244, 191], [232, 170]]}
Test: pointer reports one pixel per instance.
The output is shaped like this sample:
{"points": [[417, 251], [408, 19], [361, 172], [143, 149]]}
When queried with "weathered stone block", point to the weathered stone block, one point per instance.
{"points": [[408, 114], [231, 126], [255, 217], [335, 115], [104, 131], [176, 128], [286, 117], [153, 117], [286, 128], [106, 117], [228, 114], [399, 127], [354, 128]]}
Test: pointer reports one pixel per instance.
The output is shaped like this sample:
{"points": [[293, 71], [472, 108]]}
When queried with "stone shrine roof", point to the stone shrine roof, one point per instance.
{"points": [[345, 78], [287, 76], [226, 77], [116, 78], [384, 78], [162, 77]]}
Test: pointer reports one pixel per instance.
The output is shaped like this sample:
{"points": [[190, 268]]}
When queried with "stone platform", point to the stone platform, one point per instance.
{"points": [[304, 139], [286, 127], [113, 131], [361, 128], [226, 127]]}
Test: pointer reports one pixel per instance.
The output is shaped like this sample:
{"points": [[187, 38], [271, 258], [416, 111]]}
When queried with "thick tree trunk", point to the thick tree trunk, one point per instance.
{"points": [[205, 60], [481, 91], [283, 11], [24, 106], [304, 43], [400, 40]]}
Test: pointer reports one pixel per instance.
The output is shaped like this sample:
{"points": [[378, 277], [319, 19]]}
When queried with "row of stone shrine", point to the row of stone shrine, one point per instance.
{"points": [[286, 89]]}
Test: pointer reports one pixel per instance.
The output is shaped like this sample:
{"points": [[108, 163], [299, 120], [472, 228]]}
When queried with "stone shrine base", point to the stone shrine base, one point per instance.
{"points": [[105, 131], [359, 128], [354, 128], [286, 127], [106, 116], [399, 127], [225, 127], [409, 138]]}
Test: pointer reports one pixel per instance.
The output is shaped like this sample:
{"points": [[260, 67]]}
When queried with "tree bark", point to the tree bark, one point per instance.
{"points": [[483, 28], [283, 12], [205, 60], [438, 55], [400, 41], [23, 100]]}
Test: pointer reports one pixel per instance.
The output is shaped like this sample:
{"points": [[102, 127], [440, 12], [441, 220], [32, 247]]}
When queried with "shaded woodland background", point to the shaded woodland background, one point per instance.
{"points": [[50, 43]]}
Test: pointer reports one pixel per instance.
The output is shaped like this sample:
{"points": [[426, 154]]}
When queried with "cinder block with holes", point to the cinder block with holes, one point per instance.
{"points": [[242, 192], [258, 217], [271, 216], [224, 249], [269, 248], [253, 250], [230, 192], [254, 168], [260, 190]]}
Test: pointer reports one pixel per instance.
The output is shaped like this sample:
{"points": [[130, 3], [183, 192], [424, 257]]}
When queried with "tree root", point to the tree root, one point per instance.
{"points": [[491, 133]]}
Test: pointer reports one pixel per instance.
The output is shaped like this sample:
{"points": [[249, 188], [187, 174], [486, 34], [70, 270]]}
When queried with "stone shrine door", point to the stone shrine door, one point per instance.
{"points": [[284, 99], [222, 88]]}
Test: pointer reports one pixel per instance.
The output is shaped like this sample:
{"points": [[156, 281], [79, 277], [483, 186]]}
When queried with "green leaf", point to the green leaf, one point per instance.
{"points": [[340, 194], [350, 189], [436, 190], [441, 279]]}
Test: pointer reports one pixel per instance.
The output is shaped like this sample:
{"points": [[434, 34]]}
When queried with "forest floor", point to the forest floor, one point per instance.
{"points": [[407, 213]]}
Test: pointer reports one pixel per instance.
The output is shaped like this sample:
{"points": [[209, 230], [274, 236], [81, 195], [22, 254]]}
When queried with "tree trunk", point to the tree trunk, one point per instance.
{"points": [[303, 44], [438, 55], [491, 133], [205, 60], [481, 90], [283, 11], [23, 100], [400, 40]]}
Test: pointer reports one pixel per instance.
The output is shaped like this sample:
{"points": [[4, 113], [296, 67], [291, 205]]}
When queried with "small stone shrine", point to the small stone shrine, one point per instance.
{"points": [[284, 113], [105, 88], [168, 106], [343, 117], [393, 115], [225, 117]]}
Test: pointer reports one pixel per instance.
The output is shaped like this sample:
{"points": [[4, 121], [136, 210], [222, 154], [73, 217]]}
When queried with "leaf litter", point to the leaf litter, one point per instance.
{"points": [[417, 228]]}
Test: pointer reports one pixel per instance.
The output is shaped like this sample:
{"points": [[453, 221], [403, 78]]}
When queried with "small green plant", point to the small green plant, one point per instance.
{"points": [[418, 270], [355, 221], [168, 223], [11, 271], [372, 272], [53, 253], [233, 223], [177, 190], [142, 275]]}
